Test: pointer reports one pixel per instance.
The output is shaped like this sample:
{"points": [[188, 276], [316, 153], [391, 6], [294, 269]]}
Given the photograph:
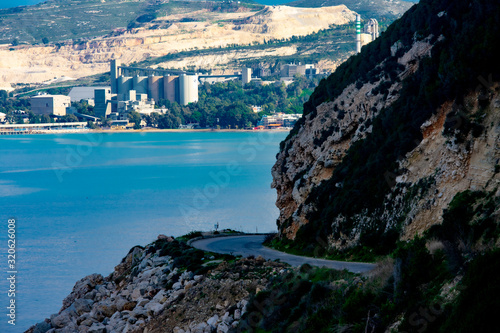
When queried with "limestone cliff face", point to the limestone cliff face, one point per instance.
{"points": [[444, 156]]}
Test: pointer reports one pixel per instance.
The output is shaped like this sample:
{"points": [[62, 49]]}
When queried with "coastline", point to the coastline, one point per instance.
{"points": [[146, 130]]}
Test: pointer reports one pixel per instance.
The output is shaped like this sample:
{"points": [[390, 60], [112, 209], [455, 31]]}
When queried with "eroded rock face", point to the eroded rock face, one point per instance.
{"points": [[147, 292], [437, 169]]}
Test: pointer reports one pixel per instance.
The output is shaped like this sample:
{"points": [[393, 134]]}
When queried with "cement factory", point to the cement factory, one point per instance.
{"points": [[174, 86], [141, 89], [370, 32]]}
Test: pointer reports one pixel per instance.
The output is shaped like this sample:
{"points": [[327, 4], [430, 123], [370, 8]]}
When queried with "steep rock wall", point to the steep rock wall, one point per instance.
{"points": [[388, 140]]}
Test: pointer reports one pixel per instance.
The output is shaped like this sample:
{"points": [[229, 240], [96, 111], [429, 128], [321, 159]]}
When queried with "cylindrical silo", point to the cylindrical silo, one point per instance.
{"points": [[124, 84], [169, 83], [140, 84], [154, 87], [192, 88]]}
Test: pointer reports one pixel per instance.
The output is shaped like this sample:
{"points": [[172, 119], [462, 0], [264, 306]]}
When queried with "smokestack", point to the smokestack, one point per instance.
{"points": [[358, 33], [115, 73]]}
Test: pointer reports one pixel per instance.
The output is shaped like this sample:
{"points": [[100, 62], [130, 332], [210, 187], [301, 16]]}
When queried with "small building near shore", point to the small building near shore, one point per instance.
{"points": [[50, 104]]}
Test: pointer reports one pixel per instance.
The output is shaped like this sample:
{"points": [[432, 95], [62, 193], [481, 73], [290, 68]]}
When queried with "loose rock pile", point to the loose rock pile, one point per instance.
{"points": [[147, 293]]}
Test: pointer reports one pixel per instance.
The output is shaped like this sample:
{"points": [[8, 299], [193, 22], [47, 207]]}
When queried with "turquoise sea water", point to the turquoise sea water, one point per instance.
{"points": [[81, 201]]}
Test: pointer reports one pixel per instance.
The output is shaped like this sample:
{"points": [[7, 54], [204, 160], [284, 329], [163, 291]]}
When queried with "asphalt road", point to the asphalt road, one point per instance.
{"points": [[252, 245]]}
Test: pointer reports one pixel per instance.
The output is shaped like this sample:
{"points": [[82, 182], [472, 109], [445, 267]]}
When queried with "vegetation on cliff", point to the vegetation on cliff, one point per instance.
{"points": [[461, 54], [445, 281]]}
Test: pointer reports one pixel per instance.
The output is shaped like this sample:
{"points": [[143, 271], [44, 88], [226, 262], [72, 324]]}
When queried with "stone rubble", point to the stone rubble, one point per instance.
{"points": [[146, 293]]}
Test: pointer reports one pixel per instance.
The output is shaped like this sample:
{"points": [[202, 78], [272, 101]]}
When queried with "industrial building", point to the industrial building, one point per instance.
{"points": [[174, 86], [370, 32], [50, 104], [84, 93], [290, 70], [371, 28]]}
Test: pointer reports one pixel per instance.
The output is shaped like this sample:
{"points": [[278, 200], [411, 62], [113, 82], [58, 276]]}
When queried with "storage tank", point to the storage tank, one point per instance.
{"points": [[124, 84], [188, 89], [169, 87], [155, 87], [140, 84]]}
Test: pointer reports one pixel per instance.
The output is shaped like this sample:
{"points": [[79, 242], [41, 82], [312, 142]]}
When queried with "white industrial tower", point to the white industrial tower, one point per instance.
{"points": [[358, 33]]}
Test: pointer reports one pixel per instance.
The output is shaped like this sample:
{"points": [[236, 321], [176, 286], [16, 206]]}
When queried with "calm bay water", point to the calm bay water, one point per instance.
{"points": [[81, 201]]}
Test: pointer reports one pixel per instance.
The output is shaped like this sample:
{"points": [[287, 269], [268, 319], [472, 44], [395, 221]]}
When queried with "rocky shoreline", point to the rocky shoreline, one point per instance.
{"points": [[166, 286]]}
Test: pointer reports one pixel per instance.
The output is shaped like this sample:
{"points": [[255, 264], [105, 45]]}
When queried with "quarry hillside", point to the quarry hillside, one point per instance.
{"points": [[389, 140], [58, 39]]}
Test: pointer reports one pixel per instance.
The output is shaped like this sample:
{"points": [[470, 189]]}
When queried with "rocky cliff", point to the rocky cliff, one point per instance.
{"points": [[166, 286], [395, 133]]}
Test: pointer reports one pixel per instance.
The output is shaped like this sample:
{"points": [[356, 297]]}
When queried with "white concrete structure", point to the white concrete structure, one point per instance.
{"points": [[50, 104], [246, 75], [371, 28], [86, 93], [188, 89]]}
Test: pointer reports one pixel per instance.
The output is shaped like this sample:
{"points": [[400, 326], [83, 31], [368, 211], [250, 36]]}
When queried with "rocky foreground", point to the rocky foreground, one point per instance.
{"points": [[166, 286]]}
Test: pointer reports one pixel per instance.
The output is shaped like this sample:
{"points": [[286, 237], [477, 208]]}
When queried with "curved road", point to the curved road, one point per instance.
{"points": [[252, 245]]}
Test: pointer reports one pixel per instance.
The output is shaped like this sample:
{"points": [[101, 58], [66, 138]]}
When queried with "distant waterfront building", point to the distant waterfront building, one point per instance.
{"points": [[50, 104], [279, 120], [103, 102], [139, 103]]}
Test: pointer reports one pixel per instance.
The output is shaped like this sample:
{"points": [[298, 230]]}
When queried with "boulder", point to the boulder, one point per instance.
{"points": [[120, 303], [227, 318], [97, 328], [153, 308], [200, 328], [82, 305], [42, 327], [222, 328], [129, 306], [213, 321], [61, 320], [186, 276], [237, 314], [82, 287]]}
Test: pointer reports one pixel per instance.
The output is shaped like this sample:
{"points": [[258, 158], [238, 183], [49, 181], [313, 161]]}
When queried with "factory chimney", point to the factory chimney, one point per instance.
{"points": [[358, 33]]}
